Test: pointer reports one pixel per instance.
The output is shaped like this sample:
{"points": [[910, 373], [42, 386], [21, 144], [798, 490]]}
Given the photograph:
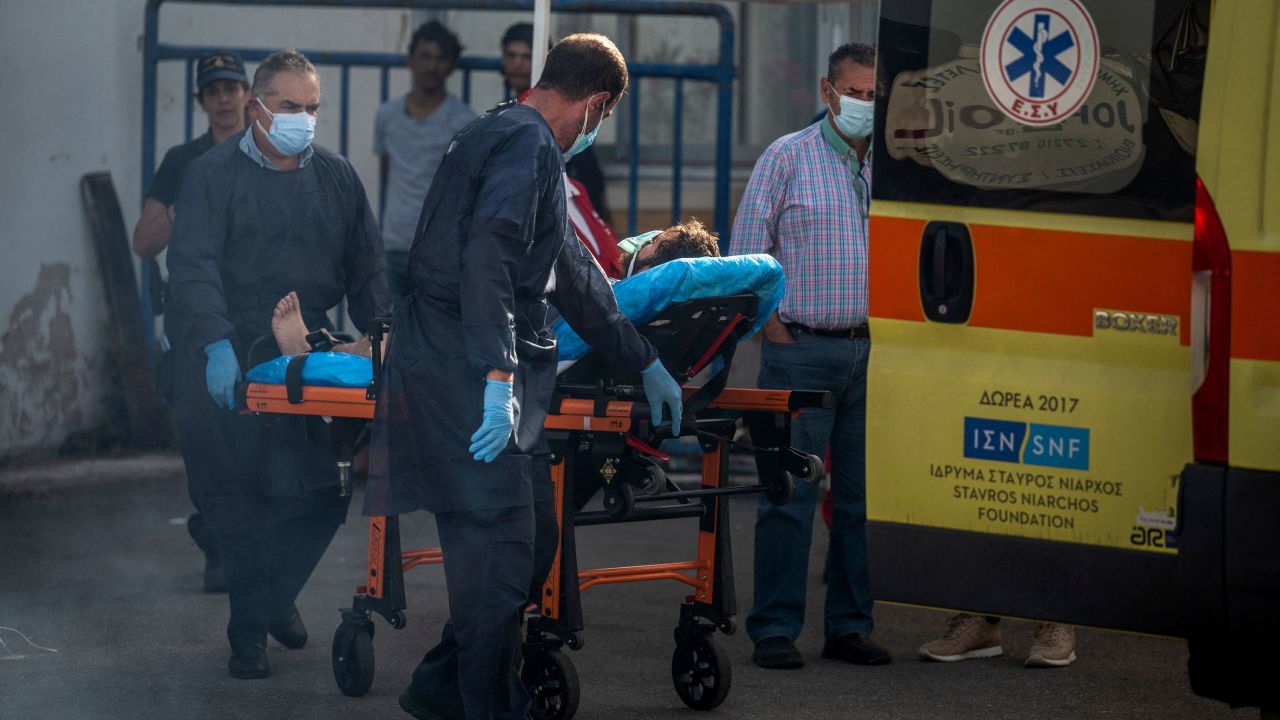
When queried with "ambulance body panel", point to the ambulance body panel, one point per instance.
{"points": [[1031, 255]]}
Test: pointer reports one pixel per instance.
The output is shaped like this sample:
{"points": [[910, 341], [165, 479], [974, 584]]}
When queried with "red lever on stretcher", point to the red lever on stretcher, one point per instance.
{"points": [[646, 448]]}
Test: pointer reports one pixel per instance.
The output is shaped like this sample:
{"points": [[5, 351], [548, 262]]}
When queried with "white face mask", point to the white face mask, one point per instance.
{"points": [[291, 133], [585, 139], [634, 245], [857, 117]]}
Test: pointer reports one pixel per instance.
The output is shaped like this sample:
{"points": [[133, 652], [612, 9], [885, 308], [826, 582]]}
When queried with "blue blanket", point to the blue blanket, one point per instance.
{"points": [[640, 297], [330, 369]]}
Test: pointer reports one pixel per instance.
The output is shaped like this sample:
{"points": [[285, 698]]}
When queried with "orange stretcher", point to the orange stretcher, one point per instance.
{"points": [[600, 433]]}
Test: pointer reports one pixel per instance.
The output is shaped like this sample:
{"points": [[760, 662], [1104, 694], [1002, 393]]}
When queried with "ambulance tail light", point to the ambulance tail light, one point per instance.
{"points": [[1210, 331]]}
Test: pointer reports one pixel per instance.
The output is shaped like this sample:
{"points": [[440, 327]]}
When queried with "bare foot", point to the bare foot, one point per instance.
{"points": [[287, 326]]}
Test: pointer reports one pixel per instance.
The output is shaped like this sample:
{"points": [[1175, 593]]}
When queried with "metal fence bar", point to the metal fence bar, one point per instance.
{"points": [[677, 152], [190, 99], [344, 110], [384, 91], [619, 7], [344, 138], [633, 161], [466, 86], [708, 72], [724, 130], [723, 133], [149, 69]]}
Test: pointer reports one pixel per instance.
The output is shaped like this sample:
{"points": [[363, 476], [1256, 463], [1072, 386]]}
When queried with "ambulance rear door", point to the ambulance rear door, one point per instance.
{"points": [[1031, 253], [1229, 539]]}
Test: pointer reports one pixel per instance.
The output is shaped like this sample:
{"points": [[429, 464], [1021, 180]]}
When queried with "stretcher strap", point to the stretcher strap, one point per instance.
{"points": [[714, 386], [715, 346], [293, 378]]}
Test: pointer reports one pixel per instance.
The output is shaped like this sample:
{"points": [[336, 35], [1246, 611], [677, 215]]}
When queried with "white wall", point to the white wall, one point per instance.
{"points": [[71, 75]]}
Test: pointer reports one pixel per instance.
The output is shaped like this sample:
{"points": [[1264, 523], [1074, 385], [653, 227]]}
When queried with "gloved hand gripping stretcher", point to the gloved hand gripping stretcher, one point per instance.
{"points": [[601, 435]]}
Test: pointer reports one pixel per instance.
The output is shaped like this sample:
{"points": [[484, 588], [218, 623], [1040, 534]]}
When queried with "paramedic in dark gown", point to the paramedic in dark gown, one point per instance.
{"points": [[472, 348], [257, 217]]}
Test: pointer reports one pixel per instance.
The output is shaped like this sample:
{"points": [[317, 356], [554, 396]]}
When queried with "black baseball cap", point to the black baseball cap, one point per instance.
{"points": [[219, 66]]}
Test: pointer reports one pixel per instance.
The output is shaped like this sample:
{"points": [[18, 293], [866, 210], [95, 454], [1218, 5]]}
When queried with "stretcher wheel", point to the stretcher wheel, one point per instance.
{"points": [[701, 672], [653, 479], [353, 659], [619, 500], [815, 468], [779, 491], [398, 620], [553, 687]]}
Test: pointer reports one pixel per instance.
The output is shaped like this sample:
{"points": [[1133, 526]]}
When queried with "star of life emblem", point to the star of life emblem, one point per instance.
{"points": [[1039, 59]]}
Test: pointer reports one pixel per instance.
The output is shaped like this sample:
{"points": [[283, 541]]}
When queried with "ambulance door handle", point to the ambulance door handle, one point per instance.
{"points": [[939, 289], [946, 272]]}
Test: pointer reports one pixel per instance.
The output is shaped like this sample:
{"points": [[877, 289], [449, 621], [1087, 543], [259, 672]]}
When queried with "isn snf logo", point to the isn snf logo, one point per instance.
{"points": [[1027, 443]]}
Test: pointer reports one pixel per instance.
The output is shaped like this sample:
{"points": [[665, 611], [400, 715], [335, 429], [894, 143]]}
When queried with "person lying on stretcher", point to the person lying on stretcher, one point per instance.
{"points": [[687, 240], [648, 250]]}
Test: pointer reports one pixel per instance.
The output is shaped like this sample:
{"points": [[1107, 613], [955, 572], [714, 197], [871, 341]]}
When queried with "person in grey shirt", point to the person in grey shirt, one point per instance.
{"points": [[411, 134]]}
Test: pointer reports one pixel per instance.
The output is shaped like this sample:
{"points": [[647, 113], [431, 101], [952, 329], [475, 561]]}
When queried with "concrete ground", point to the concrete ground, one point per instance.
{"points": [[96, 564]]}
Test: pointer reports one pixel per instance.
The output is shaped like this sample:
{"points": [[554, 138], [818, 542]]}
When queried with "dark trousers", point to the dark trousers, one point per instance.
{"points": [[205, 539], [268, 565], [492, 560], [545, 543]]}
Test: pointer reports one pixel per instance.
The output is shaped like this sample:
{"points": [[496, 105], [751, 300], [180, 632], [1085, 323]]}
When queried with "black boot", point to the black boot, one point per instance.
{"points": [[289, 630], [214, 580], [249, 663]]}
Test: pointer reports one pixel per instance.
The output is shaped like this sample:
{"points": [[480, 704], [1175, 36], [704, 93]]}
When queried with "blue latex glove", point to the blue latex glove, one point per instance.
{"points": [[491, 439], [221, 373], [661, 389]]}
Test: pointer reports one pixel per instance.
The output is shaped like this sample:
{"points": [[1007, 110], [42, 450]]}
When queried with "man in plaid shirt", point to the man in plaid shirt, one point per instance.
{"points": [[806, 205]]}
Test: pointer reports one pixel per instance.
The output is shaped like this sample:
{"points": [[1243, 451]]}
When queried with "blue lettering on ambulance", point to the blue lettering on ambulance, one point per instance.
{"points": [[1058, 446], [1046, 445], [993, 439]]}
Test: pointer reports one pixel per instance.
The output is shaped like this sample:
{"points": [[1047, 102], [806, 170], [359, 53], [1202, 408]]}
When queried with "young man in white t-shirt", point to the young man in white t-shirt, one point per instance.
{"points": [[411, 135]]}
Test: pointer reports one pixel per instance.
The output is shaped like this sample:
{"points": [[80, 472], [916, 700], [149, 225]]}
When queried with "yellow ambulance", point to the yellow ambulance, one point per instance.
{"points": [[1074, 391]]}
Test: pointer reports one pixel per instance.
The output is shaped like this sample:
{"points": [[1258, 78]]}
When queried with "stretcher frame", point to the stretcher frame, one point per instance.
{"points": [[611, 422]]}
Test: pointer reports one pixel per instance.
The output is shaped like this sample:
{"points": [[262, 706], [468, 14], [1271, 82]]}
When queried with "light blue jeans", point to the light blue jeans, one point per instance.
{"points": [[783, 534]]}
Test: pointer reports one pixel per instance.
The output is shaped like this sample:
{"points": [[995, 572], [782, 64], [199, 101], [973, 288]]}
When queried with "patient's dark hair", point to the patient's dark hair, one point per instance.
{"points": [[692, 240]]}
